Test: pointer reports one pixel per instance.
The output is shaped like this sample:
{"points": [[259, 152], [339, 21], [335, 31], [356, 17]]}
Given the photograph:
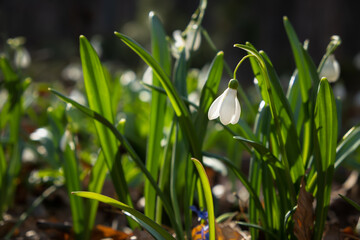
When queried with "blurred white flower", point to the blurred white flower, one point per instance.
{"points": [[22, 57], [67, 139], [179, 44], [40, 134], [331, 69], [72, 72], [191, 42], [227, 105], [77, 96], [96, 42], [148, 75], [127, 77], [193, 38]]}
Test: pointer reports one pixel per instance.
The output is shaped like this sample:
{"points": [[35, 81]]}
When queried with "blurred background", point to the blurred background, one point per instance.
{"points": [[52, 28]]}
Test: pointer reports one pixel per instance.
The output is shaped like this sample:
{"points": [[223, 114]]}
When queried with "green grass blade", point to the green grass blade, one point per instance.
{"points": [[161, 54], [249, 225], [308, 77], [174, 98], [286, 124], [208, 197], [253, 193], [99, 100], [282, 114], [208, 94], [176, 102], [180, 74], [177, 156], [349, 143], [153, 228], [8, 73], [97, 179], [325, 149], [164, 171], [264, 152], [297, 48], [351, 202], [72, 182]]}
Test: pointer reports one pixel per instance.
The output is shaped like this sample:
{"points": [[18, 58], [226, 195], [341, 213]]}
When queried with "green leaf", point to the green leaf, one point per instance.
{"points": [[297, 48], [208, 197], [8, 72], [99, 100], [72, 182], [97, 179], [263, 151], [153, 228], [161, 54], [242, 178], [208, 94], [177, 104], [349, 143], [351, 202], [325, 149], [126, 146], [308, 77], [282, 114]]}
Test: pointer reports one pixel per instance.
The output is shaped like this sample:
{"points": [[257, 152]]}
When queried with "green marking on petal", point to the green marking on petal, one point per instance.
{"points": [[233, 83]]}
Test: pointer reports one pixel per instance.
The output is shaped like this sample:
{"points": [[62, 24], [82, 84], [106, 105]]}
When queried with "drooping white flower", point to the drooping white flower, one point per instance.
{"points": [[227, 105], [331, 69]]}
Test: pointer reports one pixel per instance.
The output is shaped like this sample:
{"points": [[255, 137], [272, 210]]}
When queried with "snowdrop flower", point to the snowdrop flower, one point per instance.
{"points": [[331, 69], [226, 106], [22, 57], [178, 45], [190, 43], [193, 38]]}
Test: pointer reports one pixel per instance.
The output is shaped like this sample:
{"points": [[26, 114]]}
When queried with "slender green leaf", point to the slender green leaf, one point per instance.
{"points": [[208, 94], [99, 100], [178, 105], [282, 114], [349, 143], [265, 153], [8, 72], [296, 46], [208, 197], [97, 179], [161, 54], [128, 148], [250, 225], [325, 149], [72, 182], [153, 228], [351, 202]]}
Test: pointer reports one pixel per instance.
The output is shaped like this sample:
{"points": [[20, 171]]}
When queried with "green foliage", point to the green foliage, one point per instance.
{"points": [[293, 135]]}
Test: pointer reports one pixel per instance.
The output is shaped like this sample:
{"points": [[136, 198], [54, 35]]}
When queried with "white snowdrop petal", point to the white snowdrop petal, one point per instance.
{"points": [[227, 109], [191, 42], [236, 116], [331, 69], [215, 107]]}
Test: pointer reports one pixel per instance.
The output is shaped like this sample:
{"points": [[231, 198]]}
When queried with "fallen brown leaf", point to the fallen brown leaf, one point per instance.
{"points": [[304, 214]]}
